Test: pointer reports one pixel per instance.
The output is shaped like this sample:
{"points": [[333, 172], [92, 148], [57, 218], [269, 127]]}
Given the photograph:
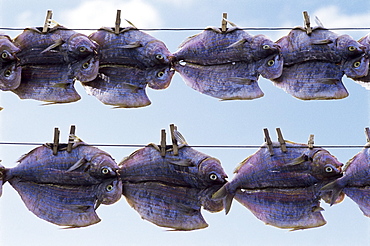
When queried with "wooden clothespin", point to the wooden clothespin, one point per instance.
{"points": [[118, 22], [175, 147], [49, 15], [223, 22], [163, 142], [71, 138], [281, 140], [307, 23], [268, 141], [56, 140], [311, 141], [367, 132]]}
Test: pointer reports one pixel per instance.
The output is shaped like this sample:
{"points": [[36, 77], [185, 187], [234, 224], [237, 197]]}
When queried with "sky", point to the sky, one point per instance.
{"points": [[201, 119]]}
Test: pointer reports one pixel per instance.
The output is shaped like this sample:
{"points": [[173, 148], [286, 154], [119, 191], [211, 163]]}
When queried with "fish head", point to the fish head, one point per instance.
{"points": [[157, 52], [356, 68], [263, 46], [103, 166], [81, 46], [212, 171], [109, 192], [271, 67], [86, 70], [10, 77], [160, 78], [7, 49], [349, 47], [325, 166]]}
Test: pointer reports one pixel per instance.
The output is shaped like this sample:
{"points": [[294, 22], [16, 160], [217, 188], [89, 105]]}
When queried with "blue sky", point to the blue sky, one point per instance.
{"points": [[201, 119]]}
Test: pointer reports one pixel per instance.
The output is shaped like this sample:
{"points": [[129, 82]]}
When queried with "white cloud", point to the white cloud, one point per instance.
{"points": [[331, 16], [98, 13]]}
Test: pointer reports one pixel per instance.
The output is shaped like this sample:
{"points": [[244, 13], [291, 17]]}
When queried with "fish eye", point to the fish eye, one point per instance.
{"points": [[82, 49], [85, 65], [7, 73], [4, 55], [270, 63], [104, 170], [356, 64], [329, 169], [159, 57], [266, 47], [160, 74], [351, 48], [109, 187], [213, 176]]}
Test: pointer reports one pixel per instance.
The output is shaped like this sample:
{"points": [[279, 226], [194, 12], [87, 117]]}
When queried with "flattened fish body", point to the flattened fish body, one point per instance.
{"points": [[124, 86], [130, 47], [190, 168], [42, 167], [295, 209], [10, 71], [164, 205], [232, 81], [212, 47], [67, 205]]}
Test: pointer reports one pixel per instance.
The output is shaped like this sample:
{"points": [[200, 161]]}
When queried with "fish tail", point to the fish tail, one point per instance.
{"points": [[227, 197], [336, 188]]}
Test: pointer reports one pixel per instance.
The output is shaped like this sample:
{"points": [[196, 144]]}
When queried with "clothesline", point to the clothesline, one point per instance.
{"points": [[198, 29], [194, 146]]}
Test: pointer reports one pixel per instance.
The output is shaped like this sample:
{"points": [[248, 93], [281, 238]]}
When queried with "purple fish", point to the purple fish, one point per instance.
{"points": [[10, 71], [299, 167], [315, 64], [190, 168], [293, 208], [365, 41], [131, 47], [175, 207], [67, 205], [214, 47], [124, 86]]}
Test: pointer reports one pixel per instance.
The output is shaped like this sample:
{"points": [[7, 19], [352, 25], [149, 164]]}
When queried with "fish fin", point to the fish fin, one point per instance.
{"points": [[98, 202], [130, 23], [54, 45], [188, 39], [155, 146], [237, 43], [328, 81], [297, 161], [318, 22], [335, 188], [80, 208], [180, 139], [132, 45], [227, 197], [78, 164], [241, 81], [317, 209], [221, 193], [322, 41], [180, 162], [227, 202]]}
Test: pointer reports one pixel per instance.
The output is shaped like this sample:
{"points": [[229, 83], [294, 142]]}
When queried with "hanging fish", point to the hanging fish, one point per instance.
{"points": [[231, 81], [190, 168], [124, 86], [292, 208], [315, 64], [131, 47], [84, 165], [365, 41], [174, 207], [299, 167], [356, 175], [67, 205], [10, 71], [214, 47]]}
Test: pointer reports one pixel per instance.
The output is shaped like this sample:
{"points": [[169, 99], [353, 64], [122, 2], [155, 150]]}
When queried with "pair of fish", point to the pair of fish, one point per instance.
{"points": [[283, 189], [10, 71], [52, 61], [66, 188], [355, 182], [227, 65], [315, 63], [170, 190], [129, 61]]}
